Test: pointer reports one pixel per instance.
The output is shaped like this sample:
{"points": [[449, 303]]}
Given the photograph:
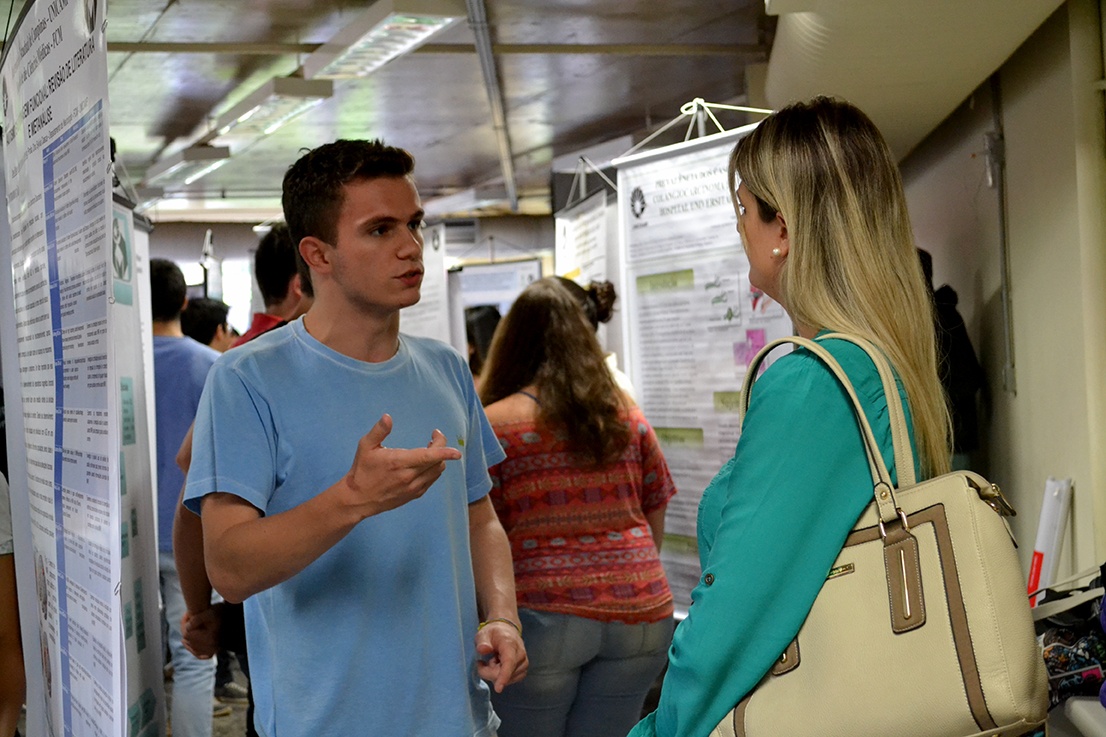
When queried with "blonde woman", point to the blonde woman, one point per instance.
{"points": [[822, 217]]}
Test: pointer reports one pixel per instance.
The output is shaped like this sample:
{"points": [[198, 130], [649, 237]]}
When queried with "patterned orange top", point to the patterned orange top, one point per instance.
{"points": [[579, 538]]}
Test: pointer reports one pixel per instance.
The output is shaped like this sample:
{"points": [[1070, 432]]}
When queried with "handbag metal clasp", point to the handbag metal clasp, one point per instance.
{"points": [[902, 519], [992, 497]]}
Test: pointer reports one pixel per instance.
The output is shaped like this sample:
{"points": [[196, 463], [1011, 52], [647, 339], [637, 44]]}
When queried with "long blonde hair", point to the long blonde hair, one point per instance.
{"points": [[852, 265]]}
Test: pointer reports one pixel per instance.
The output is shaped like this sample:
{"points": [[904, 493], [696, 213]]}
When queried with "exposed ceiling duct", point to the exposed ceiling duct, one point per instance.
{"points": [[908, 64]]}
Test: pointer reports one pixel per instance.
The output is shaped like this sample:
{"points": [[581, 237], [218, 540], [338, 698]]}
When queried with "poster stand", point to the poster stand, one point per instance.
{"points": [[691, 320]]}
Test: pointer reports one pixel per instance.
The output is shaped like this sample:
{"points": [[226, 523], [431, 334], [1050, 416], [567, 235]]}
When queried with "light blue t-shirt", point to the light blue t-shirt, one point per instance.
{"points": [[770, 526], [180, 368], [375, 637]]}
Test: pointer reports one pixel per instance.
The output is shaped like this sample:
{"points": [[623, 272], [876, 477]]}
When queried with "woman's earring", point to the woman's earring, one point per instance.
{"points": [[777, 252]]}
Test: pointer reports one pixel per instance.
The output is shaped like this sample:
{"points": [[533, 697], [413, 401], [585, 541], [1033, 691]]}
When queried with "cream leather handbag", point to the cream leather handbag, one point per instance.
{"points": [[923, 627]]}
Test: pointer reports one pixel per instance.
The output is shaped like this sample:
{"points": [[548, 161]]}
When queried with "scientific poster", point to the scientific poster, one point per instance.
{"points": [[580, 246], [694, 322], [497, 284], [675, 201], [133, 351], [53, 93]]}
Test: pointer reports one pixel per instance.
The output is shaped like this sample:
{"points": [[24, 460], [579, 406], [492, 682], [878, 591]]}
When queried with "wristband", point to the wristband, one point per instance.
{"points": [[511, 622]]}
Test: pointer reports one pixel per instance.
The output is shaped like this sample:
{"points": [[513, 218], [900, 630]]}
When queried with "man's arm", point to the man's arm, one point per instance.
{"points": [[501, 655], [247, 552], [200, 625]]}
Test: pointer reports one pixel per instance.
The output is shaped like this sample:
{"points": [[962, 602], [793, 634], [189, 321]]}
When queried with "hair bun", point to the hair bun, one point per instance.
{"points": [[602, 295]]}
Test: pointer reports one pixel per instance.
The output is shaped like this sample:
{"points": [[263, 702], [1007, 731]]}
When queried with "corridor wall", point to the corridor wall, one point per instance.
{"points": [[1052, 419]]}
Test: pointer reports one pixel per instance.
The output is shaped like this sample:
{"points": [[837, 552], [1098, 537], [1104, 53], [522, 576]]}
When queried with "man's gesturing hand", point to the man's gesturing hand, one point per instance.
{"points": [[385, 478]]}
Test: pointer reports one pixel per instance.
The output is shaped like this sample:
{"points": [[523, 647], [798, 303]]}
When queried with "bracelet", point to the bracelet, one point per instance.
{"points": [[511, 622]]}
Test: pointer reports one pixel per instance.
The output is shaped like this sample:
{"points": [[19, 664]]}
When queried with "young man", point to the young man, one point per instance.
{"points": [[365, 568], [180, 368]]}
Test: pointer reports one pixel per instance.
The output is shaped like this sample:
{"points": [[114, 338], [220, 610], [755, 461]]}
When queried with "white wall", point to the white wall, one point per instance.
{"points": [[1055, 156], [515, 237], [183, 241]]}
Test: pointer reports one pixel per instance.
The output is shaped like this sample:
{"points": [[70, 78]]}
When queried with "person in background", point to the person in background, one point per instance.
{"points": [[961, 375], [480, 324], [597, 301], [286, 293], [582, 495], [181, 366], [204, 320], [365, 568], [823, 220], [12, 677]]}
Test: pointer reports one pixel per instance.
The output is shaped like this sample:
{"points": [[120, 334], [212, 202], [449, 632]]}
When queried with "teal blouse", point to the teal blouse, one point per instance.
{"points": [[771, 524]]}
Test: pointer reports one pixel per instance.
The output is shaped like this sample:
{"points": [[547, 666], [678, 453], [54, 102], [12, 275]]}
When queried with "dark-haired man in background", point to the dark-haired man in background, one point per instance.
{"points": [[204, 320], [285, 293]]}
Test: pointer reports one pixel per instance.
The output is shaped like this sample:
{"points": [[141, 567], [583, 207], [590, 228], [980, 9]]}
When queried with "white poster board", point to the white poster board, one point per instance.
{"points": [[586, 251], [57, 173], [693, 321], [580, 246], [429, 317], [132, 346], [497, 284]]}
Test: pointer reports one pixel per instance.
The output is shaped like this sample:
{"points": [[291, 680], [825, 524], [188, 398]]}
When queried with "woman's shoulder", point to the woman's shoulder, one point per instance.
{"points": [[801, 375], [513, 409]]}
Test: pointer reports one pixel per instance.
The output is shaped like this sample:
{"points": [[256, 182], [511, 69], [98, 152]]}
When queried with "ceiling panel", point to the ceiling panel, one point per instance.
{"points": [[590, 87]]}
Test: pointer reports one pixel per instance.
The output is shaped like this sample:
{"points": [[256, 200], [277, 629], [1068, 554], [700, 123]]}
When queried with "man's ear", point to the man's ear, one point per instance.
{"points": [[316, 254]]}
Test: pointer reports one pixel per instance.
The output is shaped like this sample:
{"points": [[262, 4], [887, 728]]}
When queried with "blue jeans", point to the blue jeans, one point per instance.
{"points": [[193, 679], [587, 678]]}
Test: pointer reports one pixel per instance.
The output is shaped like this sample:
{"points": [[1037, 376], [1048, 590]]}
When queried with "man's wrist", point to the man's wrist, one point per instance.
{"points": [[348, 504], [504, 620]]}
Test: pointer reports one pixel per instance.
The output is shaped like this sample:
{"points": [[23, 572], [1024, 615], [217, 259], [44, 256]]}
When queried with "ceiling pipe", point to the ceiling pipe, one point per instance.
{"points": [[478, 21]]}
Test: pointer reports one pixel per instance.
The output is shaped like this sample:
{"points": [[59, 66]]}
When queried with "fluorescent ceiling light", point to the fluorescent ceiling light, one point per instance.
{"points": [[388, 29], [187, 165], [269, 107], [466, 202]]}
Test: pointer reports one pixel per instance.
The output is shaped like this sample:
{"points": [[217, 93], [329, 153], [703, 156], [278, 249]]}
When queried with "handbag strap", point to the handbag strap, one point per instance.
{"points": [[900, 434], [882, 489]]}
